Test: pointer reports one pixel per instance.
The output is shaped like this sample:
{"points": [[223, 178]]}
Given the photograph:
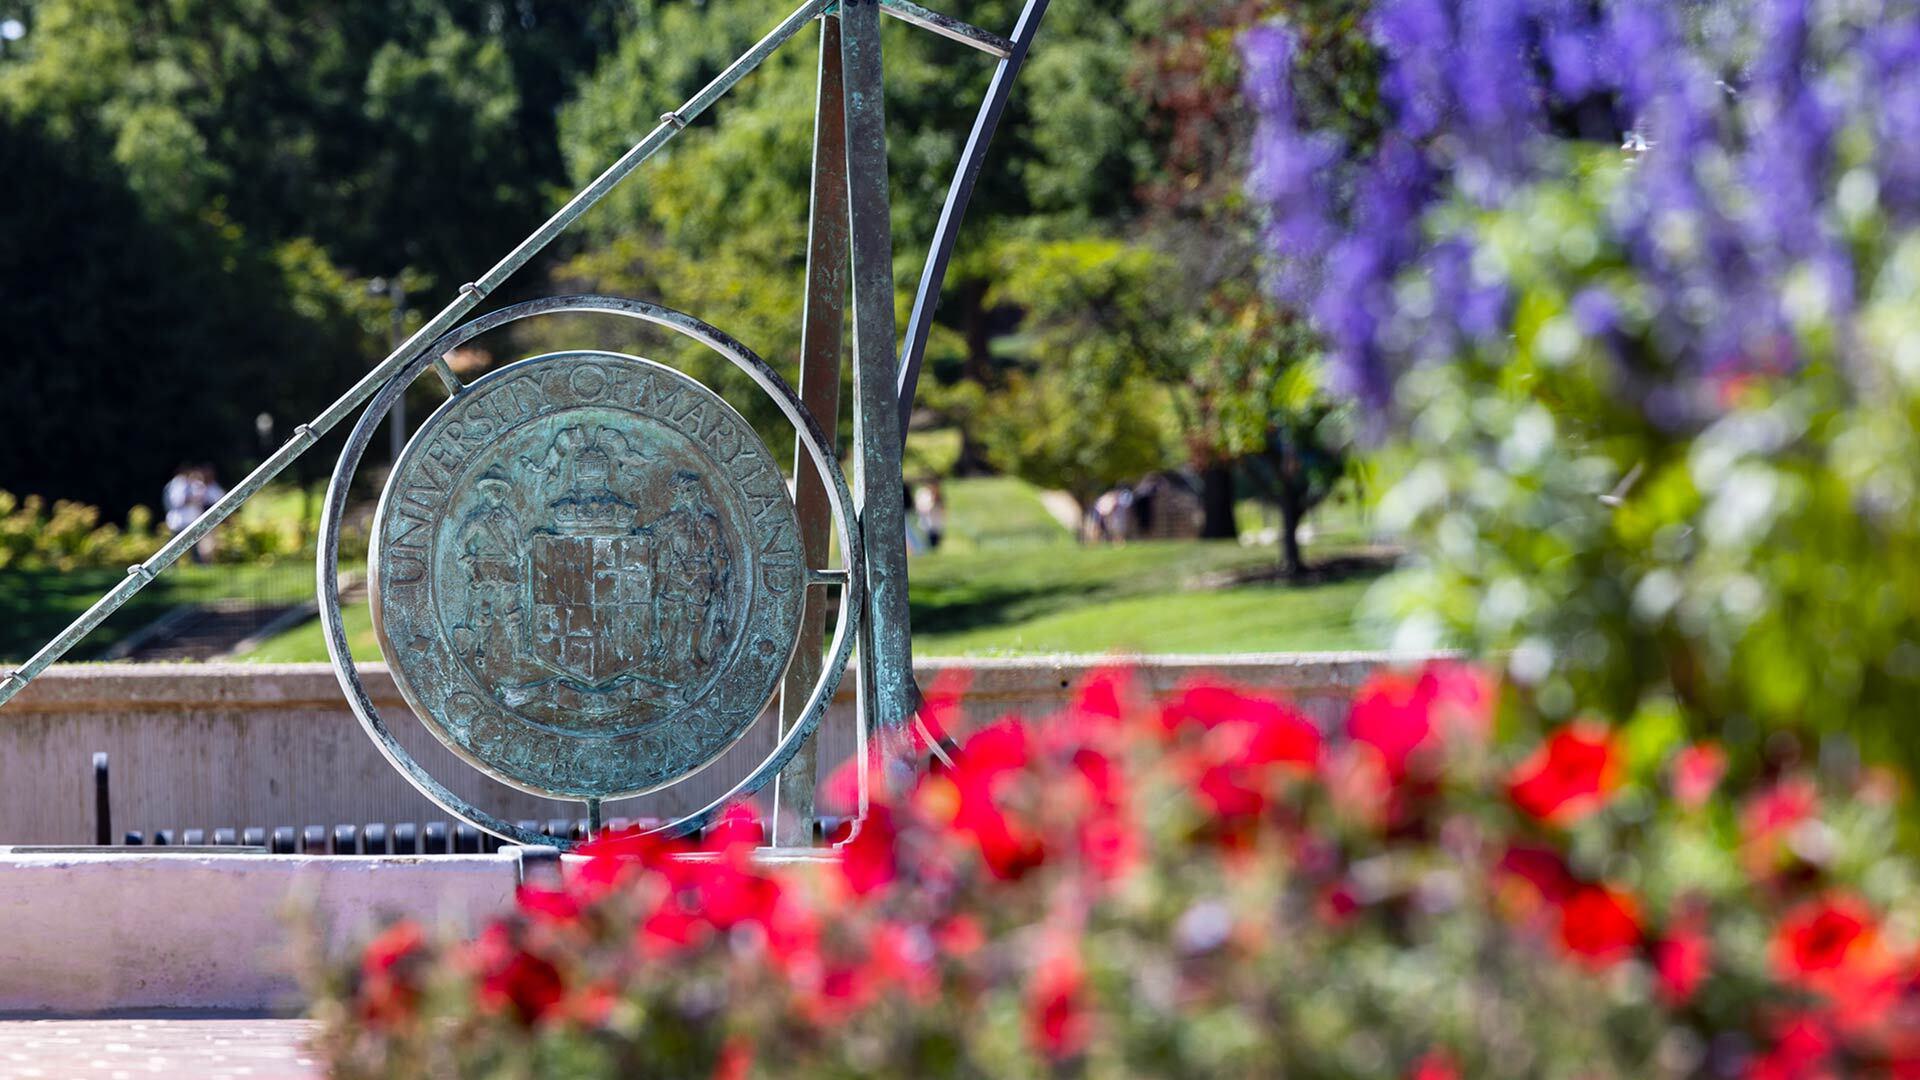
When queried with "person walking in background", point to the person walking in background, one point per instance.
{"points": [[174, 499], [210, 492], [916, 543], [186, 497], [930, 507]]}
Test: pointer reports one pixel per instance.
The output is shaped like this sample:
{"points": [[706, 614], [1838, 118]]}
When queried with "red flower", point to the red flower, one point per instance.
{"points": [[1833, 946], [735, 1061], [1817, 937], [1462, 697], [1103, 696], [396, 945], [1338, 905], [1392, 715], [904, 956], [1055, 1010], [1696, 773], [513, 978], [995, 749], [960, 936], [1540, 867], [1770, 818], [1778, 809], [388, 993], [967, 798], [1598, 925], [867, 862], [1282, 735], [732, 895], [1282, 732], [737, 832], [1399, 715], [1110, 844], [1245, 744], [550, 905], [1435, 1065], [1568, 777], [1800, 1049], [1681, 961]]}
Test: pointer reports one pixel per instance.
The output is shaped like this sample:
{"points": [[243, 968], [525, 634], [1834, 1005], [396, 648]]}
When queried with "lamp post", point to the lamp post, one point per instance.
{"points": [[396, 291]]}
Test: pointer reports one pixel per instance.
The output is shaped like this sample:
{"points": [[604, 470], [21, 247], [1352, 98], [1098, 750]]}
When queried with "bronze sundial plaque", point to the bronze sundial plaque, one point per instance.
{"points": [[586, 575]]}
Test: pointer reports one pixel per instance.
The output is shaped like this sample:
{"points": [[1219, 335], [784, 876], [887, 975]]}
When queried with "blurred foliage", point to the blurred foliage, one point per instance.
{"points": [[395, 133], [1760, 571], [69, 536], [72, 536], [201, 189]]}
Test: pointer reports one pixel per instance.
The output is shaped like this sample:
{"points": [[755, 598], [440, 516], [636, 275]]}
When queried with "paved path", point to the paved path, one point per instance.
{"points": [[143, 1049]]}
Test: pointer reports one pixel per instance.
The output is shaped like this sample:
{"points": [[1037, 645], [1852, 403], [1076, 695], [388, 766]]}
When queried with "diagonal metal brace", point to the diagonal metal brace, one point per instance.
{"points": [[948, 27]]}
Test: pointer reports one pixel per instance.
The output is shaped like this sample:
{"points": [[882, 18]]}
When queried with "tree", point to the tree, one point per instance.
{"points": [[395, 133], [1251, 375], [136, 345], [203, 187], [717, 225], [1049, 431]]}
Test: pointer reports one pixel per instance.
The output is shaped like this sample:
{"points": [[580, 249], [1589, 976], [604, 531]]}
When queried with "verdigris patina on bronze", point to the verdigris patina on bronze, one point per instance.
{"points": [[587, 575]]}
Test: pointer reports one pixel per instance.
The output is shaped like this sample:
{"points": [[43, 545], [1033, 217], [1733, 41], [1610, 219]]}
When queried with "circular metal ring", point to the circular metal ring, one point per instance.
{"points": [[812, 439]]}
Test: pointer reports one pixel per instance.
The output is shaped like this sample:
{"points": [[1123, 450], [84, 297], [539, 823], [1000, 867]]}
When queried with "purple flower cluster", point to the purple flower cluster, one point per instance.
{"points": [[1736, 115]]}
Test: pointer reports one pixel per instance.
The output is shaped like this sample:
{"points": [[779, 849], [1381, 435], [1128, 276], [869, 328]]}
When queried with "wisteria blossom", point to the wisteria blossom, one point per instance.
{"points": [[1750, 136]]}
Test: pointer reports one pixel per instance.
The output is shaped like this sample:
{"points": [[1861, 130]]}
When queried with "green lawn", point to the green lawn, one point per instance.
{"points": [[1011, 580], [306, 642], [37, 604], [997, 512], [1147, 597]]}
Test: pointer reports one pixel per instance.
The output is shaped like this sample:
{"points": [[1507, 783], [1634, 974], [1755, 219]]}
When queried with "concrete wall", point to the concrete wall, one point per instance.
{"points": [[237, 745], [99, 932]]}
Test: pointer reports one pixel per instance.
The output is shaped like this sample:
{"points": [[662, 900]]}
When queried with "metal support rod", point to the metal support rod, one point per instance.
{"points": [[823, 329], [959, 193], [397, 420], [948, 27], [888, 694], [469, 297]]}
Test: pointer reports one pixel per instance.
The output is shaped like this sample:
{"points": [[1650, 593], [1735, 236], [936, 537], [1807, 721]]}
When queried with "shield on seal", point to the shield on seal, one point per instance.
{"points": [[592, 604]]}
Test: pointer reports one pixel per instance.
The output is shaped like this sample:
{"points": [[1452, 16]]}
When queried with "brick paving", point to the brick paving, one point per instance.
{"points": [[141, 1049]]}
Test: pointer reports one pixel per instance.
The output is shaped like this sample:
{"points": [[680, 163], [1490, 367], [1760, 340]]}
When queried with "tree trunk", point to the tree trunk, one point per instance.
{"points": [[1216, 504], [978, 367], [1291, 562]]}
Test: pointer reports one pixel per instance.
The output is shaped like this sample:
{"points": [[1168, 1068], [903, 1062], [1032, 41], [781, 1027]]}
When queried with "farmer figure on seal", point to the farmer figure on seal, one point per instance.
{"points": [[690, 567]]}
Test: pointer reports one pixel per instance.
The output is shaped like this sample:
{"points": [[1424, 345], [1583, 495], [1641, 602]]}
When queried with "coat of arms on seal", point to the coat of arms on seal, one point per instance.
{"points": [[586, 574]]}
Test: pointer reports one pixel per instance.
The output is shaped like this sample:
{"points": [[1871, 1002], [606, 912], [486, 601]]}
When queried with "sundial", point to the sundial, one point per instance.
{"points": [[588, 574]]}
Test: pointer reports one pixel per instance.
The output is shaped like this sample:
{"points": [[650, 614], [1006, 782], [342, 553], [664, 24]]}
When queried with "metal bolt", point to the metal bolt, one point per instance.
{"points": [[679, 122], [473, 288]]}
